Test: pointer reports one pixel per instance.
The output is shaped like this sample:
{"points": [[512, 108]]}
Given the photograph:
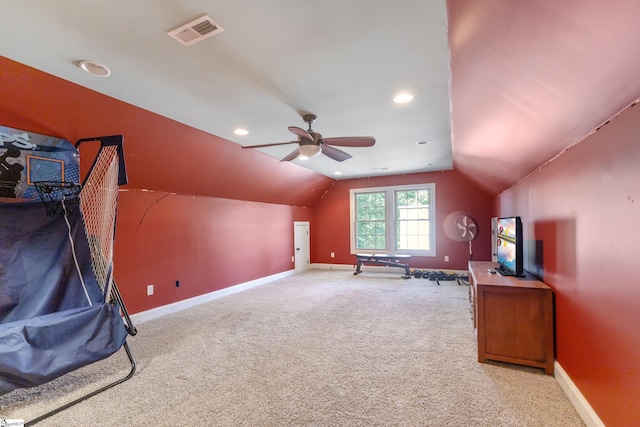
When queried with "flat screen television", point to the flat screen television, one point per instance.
{"points": [[509, 244]]}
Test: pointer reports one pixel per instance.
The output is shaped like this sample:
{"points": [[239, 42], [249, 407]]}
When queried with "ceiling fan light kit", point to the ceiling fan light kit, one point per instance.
{"points": [[311, 144], [309, 151]]}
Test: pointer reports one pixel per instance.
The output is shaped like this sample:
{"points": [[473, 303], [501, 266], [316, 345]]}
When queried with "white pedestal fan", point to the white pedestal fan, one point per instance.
{"points": [[467, 230]]}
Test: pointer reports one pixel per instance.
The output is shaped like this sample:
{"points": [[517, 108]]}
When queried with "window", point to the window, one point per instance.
{"points": [[393, 220], [371, 221]]}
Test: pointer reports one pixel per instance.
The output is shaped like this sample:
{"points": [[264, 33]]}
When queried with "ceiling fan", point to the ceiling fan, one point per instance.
{"points": [[311, 144]]}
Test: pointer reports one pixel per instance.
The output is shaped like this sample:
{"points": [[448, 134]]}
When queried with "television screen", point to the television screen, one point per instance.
{"points": [[509, 246]]}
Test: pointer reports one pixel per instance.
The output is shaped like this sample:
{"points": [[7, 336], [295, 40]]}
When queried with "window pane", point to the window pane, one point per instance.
{"points": [[370, 206], [423, 213], [371, 235], [370, 220], [412, 220]]}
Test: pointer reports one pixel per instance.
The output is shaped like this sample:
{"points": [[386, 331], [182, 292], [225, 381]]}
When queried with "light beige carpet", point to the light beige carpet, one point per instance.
{"points": [[322, 348]]}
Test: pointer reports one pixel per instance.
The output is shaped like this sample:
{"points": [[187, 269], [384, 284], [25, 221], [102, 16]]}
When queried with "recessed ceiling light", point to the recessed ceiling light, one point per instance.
{"points": [[423, 142], [94, 68], [381, 169], [337, 173], [240, 131], [429, 164], [403, 98]]}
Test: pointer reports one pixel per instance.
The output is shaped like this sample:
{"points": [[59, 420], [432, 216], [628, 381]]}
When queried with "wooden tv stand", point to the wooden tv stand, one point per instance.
{"points": [[512, 317]]}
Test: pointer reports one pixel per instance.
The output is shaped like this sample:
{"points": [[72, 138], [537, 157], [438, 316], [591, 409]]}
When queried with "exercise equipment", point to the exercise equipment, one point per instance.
{"points": [[383, 259], [440, 276], [60, 308]]}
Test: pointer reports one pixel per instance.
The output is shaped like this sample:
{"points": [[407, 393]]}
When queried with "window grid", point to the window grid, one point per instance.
{"points": [[396, 219], [412, 220], [371, 221]]}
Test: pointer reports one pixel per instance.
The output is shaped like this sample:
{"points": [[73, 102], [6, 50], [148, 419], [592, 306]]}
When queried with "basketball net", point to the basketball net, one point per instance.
{"points": [[98, 199]]}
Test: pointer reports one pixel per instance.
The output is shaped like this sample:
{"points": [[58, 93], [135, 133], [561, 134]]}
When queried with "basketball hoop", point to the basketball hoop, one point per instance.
{"points": [[59, 198]]}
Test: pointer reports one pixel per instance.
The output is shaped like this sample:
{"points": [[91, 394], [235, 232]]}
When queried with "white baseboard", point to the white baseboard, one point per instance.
{"points": [[379, 268], [576, 398], [154, 313], [333, 266]]}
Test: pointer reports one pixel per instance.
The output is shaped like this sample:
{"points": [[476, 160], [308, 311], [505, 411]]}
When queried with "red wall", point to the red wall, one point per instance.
{"points": [[206, 243], [455, 194], [217, 233], [581, 213]]}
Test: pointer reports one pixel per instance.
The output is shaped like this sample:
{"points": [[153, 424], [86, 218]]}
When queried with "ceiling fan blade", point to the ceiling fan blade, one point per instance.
{"points": [[350, 141], [269, 145], [300, 132], [295, 153], [334, 153]]}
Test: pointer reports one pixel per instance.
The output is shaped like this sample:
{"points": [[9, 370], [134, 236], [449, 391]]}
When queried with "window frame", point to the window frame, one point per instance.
{"points": [[390, 218]]}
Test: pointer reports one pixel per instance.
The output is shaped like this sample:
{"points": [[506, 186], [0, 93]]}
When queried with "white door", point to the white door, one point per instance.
{"points": [[301, 245]]}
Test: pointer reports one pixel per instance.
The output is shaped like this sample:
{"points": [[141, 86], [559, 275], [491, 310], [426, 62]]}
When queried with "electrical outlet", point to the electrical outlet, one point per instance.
{"points": [[446, 258], [333, 255], [149, 289]]}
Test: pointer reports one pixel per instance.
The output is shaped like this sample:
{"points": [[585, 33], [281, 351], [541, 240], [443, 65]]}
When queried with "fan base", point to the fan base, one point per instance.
{"points": [[309, 118]]}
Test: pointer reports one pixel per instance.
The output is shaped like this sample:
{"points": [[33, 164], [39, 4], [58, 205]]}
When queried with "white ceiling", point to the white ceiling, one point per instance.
{"points": [[341, 60]]}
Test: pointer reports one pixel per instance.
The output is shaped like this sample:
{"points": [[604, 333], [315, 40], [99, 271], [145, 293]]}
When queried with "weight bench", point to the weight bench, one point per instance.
{"points": [[383, 259]]}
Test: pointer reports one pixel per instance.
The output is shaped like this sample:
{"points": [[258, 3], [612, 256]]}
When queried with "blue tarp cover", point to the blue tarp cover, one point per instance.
{"points": [[47, 326]]}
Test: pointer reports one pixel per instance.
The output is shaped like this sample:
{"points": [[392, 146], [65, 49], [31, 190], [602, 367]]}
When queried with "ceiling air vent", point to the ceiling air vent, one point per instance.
{"points": [[196, 30]]}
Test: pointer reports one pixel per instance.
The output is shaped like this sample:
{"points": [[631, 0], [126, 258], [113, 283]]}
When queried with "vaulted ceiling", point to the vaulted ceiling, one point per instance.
{"points": [[531, 78], [500, 87]]}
